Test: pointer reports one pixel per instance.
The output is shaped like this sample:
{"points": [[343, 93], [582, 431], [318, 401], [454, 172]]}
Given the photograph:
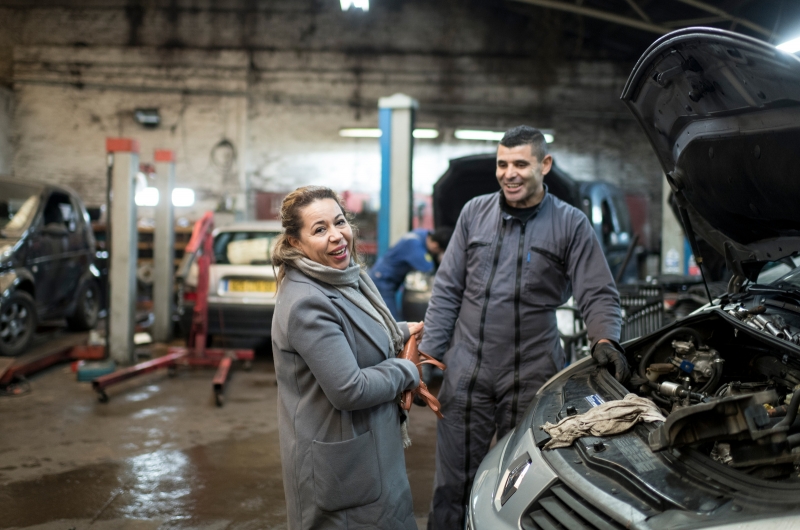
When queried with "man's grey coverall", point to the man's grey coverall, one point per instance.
{"points": [[495, 296]]}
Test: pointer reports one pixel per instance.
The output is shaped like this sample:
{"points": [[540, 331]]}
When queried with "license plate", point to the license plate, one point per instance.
{"points": [[251, 286]]}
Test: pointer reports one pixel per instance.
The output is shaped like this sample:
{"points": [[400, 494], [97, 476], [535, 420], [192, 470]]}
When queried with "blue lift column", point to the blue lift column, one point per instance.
{"points": [[396, 120]]}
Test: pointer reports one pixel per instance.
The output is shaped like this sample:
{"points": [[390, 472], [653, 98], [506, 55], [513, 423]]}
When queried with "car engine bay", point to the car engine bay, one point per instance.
{"points": [[729, 384]]}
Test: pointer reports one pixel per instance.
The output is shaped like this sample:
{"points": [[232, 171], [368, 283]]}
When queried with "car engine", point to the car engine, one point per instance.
{"points": [[730, 389]]}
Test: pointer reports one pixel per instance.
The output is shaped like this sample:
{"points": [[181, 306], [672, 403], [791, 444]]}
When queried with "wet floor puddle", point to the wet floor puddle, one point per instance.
{"points": [[233, 480]]}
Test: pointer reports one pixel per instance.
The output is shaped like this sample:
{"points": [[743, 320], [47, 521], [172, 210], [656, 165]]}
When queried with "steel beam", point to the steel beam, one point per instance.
{"points": [[727, 16], [599, 14], [639, 10]]}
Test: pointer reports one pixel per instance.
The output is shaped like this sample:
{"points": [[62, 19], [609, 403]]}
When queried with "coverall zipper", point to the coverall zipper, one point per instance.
{"points": [[478, 355], [515, 398]]}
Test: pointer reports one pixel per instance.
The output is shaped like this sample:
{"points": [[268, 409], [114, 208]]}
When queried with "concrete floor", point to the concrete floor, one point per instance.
{"points": [[160, 454]]}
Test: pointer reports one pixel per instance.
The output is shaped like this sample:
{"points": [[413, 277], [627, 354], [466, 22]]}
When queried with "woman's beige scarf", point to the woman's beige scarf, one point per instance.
{"points": [[356, 286]]}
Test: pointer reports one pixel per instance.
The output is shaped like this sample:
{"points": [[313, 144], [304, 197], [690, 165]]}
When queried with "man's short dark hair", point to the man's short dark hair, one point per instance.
{"points": [[441, 236], [526, 135]]}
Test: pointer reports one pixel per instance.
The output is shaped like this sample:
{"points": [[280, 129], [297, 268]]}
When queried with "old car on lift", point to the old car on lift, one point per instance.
{"points": [[46, 262], [242, 285], [722, 112]]}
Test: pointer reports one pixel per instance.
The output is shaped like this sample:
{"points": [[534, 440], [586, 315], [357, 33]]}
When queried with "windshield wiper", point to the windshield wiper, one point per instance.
{"points": [[766, 289]]}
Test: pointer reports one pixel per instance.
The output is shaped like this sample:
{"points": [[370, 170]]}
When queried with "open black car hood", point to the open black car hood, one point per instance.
{"points": [[470, 176], [722, 112]]}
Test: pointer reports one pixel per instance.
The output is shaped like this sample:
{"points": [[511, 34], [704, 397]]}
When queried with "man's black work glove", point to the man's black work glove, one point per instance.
{"points": [[605, 353]]}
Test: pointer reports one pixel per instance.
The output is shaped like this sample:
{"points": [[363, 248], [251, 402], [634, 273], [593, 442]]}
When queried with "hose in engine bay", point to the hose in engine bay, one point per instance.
{"points": [[712, 381], [791, 413], [672, 334]]}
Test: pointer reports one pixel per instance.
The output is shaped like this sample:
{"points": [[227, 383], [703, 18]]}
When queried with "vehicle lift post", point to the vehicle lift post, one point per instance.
{"points": [[396, 120], [201, 249], [123, 165], [164, 246]]}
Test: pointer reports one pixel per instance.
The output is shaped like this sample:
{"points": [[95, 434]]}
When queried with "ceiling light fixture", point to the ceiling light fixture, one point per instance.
{"points": [[470, 134], [360, 133], [363, 5], [491, 136], [425, 133], [791, 46], [376, 133], [182, 197], [147, 197]]}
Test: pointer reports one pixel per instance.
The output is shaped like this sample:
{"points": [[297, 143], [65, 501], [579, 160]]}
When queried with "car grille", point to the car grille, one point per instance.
{"points": [[560, 508]]}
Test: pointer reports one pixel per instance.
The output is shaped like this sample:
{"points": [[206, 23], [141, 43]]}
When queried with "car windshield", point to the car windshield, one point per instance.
{"points": [[244, 247], [18, 205], [790, 281]]}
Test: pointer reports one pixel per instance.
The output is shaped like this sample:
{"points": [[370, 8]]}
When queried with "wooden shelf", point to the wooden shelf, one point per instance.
{"points": [[144, 244]]}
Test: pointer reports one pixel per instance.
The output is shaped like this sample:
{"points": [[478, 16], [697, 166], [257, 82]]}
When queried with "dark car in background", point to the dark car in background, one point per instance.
{"points": [[46, 262], [722, 112], [471, 176]]}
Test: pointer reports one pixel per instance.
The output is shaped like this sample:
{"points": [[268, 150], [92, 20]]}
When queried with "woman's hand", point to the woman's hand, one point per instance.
{"points": [[415, 329]]}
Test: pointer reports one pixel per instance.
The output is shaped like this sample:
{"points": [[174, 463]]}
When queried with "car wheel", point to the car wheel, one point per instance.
{"points": [[87, 307], [17, 323]]}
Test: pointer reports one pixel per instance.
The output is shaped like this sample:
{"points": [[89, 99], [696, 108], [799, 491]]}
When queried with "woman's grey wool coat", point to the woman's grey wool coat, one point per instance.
{"points": [[341, 446]]}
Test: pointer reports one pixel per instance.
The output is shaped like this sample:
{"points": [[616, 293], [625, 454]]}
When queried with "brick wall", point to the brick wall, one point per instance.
{"points": [[6, 114], [278, 79]]}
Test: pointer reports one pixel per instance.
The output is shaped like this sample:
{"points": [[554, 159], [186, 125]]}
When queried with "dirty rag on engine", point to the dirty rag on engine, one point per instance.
{"points": [[612, 417]]}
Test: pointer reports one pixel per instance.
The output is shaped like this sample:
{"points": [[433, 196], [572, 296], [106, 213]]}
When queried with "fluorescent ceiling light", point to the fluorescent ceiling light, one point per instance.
{"points": [[791, 46], [376, 133], [426, 133], [469, 134], [357, 4], [147, 197], [360, 133], [182, 197], [490, 136]]}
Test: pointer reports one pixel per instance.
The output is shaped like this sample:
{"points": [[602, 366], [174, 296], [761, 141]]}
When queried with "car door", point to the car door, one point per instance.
{"points": [[78, 252], [47, 254]]}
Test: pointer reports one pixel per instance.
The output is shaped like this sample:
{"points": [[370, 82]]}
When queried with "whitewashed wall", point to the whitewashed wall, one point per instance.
{"points": [[279, 79]]}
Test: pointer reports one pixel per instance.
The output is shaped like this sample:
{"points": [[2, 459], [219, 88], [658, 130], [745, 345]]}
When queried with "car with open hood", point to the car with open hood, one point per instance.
{"points": [[722, 112]]}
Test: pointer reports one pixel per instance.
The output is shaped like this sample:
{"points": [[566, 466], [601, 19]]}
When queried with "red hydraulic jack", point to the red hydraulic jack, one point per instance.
{"points": [[195, 353]]}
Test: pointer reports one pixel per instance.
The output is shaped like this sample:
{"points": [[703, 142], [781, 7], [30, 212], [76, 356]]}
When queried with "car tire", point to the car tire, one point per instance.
{"points": [[87, 307], [17, 323]]}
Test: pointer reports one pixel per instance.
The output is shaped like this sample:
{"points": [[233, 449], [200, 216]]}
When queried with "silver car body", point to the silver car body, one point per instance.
{"points": [[720, 110], [241, 298]]}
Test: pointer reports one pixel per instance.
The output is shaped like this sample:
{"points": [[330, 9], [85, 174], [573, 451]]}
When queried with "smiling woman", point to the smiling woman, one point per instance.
{"points": [[335, 346]]}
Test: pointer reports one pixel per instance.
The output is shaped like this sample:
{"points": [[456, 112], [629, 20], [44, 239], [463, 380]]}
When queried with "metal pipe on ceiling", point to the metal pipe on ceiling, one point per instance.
{"points": [[639, 11], [727, 16], [599, 14]]}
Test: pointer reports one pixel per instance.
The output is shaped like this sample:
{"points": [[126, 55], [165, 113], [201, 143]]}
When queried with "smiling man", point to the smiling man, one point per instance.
{"points": [[515, 256]]}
